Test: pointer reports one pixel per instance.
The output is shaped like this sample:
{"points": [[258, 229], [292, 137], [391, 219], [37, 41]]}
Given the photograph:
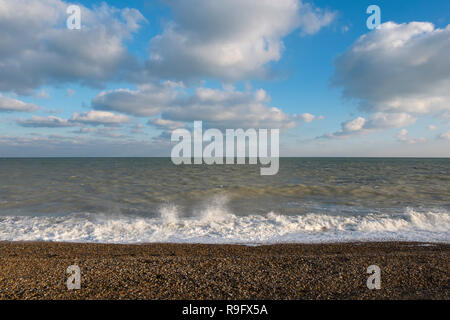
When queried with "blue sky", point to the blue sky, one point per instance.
{"points": [[137, 70]]}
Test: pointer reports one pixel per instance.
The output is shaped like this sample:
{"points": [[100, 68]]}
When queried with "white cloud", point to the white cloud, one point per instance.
{"points": [[251, 114], [403, 136], [165, 124], [99, 118], [376, 122], [398, 68], [354, 125], [219, 108], [45, 122], [146, 101], [395, 72], [14, 105], [230, 39], [432, 127], [382, 120], [306, 117], [313, 19], [93, 118], [445, 135], [36, 48]]}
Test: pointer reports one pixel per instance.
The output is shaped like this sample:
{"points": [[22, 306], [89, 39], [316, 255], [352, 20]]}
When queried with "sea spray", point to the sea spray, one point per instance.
{"points": [[215, 224]]}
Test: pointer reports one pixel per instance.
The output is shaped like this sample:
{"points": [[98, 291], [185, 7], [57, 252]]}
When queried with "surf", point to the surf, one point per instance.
{"points": [[216, 225]]}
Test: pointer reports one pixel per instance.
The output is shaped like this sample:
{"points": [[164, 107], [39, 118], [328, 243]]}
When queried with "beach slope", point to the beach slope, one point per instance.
{"points": [[37, 270]]}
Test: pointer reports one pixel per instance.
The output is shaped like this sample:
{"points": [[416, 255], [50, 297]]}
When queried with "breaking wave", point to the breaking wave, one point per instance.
{"points": [[215, 224]]}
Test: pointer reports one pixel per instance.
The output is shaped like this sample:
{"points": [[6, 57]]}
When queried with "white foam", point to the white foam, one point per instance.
{"points": [[215, 224]]}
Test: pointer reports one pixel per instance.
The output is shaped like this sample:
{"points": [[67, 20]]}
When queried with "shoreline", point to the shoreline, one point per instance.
{"points": [[409, 270]]}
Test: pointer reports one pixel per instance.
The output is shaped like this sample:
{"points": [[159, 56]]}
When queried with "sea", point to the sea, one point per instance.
{"points": [[151, 200]]}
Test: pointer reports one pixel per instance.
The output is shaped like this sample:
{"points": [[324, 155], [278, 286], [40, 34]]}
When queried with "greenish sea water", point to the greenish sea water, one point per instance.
{"points": [[134, 200]]}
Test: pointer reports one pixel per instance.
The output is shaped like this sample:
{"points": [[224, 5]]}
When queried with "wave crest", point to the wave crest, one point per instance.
{"points": [[215, 224]]}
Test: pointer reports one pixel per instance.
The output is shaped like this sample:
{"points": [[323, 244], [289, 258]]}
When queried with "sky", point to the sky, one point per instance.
{"points": [[137, 70]]}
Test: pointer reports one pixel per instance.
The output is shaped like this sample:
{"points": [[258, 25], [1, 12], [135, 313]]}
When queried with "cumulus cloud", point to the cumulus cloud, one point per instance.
{"points": [[381, 120], [45, 122], [403, 137], [377, 121], [164, 124], [147, 100], [305, 117], [92, 118], [14, 105], [230, 39], [313, 19], [445, 135], [99, 118], [219, 108], [222, 114], [36, 48], [398, 68], [354, 125]]}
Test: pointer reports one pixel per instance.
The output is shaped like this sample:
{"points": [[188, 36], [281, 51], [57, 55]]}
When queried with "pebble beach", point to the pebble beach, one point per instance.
{"points": [[37, 270]]}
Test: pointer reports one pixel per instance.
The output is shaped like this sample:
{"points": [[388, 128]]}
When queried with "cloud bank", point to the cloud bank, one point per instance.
{"points": [[14, 105], [396, 73], [228, 40], [398, 68], [91, 118], [376, 122], [37, 49], [219, 108]]}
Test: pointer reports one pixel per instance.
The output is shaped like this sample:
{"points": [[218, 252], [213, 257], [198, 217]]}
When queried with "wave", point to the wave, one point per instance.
{"points": [[215, 224], [360, 191]]}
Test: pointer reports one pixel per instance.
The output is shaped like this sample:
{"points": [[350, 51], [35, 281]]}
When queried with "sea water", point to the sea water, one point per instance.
{"points": [[143, 200]]}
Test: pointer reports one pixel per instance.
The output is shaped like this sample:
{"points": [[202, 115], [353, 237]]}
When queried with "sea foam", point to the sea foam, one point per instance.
{"points": [[215, 224]]}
